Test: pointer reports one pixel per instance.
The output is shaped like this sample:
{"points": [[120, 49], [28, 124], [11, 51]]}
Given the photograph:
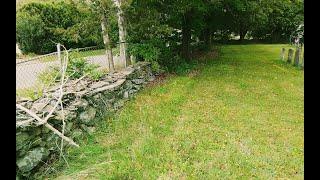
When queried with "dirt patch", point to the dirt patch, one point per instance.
{"points": [[194, 73], [160, 79], [200, 56], [204, 55]]}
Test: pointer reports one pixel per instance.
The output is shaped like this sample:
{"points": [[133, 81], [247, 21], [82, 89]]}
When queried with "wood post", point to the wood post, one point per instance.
{"points": [[290, 55], [59, 54], [107, 43], [124, 56]]}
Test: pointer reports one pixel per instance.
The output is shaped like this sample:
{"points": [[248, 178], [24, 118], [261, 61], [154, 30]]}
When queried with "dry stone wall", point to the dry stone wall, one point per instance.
{"points": [[84, 104]]}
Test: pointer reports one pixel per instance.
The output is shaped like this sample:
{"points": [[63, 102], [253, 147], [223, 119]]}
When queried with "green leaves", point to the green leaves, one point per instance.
{"points": [[39, 25], [146, 51], [279, 19], [30, 32], [155, 27], [78, 66]]}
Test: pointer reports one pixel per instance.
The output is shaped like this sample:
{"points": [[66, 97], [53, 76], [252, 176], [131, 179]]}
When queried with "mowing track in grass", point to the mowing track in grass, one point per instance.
{"points": [[240, 116]]}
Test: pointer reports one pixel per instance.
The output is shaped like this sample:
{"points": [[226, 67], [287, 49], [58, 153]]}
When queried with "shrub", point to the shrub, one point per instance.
{"points": [[156, 67], [50, 76], [30, 93], [95, 74], [40, 25], [144, 52], [31, 33], [180, 66], [184, 68], [77, 67]]}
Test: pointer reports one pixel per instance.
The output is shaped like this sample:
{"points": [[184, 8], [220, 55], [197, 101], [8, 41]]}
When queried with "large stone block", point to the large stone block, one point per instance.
{"points": [[32, 159], [22, 139], [87, 115], [81, 103], [138, 81]]}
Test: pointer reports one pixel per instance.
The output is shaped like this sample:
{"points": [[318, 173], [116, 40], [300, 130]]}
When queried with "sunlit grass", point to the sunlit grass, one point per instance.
{"points": [[241, 117]]}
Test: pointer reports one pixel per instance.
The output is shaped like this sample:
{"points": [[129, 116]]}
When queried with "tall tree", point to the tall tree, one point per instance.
{"points": [[242, 13], [186, 33], [103, 9], [122, 33], [107, 43], [186, 16]]}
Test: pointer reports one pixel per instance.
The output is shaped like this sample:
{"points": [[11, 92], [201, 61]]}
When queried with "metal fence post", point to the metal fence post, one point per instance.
{"points": [[59, 54]]}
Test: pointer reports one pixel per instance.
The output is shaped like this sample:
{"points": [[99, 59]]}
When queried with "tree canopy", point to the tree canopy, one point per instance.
{"points": [[166, 31]]}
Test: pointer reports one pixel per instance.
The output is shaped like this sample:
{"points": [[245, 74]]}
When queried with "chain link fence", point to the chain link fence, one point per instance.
{"points": [[29, 71]]}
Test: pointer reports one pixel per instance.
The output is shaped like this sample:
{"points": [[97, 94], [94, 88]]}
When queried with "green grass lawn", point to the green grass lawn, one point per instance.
{"points": [[239, 116]]}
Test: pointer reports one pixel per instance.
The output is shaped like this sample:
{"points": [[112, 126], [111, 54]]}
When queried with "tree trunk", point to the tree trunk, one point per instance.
{"points": [[242, 31], [207, 37], [242, 34], [107, 43], [186, 35], [124, 57]]}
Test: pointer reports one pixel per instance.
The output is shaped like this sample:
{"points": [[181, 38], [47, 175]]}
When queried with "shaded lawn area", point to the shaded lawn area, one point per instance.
{"points": [[240, 115]]}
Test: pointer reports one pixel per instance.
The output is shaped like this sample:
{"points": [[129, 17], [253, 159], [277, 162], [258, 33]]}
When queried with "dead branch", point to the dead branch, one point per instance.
{"points": [[44, 121], [61, 135], [47, 125], [32, 114], [64, 68], [21, 123]]}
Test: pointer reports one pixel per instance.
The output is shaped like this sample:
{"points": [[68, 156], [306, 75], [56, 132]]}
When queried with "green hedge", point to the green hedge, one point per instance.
{"points": [[40, 25]]}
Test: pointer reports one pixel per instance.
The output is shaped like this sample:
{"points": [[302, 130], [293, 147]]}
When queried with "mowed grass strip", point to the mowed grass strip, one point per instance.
{"points": [[240, 117]]}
